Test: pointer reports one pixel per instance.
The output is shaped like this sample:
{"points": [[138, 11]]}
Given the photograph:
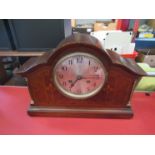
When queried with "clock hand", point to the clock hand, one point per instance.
{"points": [[91, 76], [74, 82], [83, 77]]}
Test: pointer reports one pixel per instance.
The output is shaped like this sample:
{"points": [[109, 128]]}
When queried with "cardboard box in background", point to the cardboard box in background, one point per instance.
{"points": [[73, 22], [151, 22], [104, 26]]}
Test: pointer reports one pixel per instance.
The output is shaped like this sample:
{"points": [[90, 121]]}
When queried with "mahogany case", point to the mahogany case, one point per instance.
{"points": [[113, 100]]}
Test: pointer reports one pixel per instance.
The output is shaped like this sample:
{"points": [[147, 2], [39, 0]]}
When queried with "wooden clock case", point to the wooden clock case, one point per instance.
{"points": [[113, 100]]}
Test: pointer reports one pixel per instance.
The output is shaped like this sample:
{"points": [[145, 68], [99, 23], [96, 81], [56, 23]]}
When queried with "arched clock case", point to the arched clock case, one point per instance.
{"points": [[81, 79]]}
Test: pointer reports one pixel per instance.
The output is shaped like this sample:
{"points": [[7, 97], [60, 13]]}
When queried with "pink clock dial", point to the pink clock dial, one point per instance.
{"points": [[79, 75]]}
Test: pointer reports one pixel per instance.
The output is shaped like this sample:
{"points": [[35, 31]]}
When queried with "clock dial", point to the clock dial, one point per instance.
{"points": [[79, 75]]}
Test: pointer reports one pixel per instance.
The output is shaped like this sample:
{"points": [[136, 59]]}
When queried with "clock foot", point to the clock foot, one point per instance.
{"points": [[81, 112]]}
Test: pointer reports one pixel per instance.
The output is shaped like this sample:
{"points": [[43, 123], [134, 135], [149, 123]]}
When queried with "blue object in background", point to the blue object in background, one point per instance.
{"points": [[145, 43]]}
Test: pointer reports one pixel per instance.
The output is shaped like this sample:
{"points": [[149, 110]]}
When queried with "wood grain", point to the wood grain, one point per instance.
{"points": [[112, 100]]}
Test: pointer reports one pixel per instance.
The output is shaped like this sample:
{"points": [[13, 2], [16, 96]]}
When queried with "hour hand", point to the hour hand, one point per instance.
{"points": [[74, 82]]}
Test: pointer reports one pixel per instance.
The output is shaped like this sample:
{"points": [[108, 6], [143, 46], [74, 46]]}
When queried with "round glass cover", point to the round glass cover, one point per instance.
{"points": [[79, 75]]}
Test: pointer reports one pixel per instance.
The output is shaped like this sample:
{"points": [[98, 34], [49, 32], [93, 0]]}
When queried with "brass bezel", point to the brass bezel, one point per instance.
{"points": [[72, 95]]}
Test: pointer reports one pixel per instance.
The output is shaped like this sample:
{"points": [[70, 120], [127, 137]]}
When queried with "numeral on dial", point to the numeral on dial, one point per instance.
{"points": [[79, 59], [64, 68], [88, 81], [89, 63], [88, 89], [94, 84], [70, 62], [60, 76], [95, 68], [64, 83], [70, 81], [78, 91]]}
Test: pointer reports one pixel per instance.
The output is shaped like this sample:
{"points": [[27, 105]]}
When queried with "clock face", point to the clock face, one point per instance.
{"points": [[79, 75]]}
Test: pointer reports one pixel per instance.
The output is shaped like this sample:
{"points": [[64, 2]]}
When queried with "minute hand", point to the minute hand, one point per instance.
{"points": [[91, 76]]}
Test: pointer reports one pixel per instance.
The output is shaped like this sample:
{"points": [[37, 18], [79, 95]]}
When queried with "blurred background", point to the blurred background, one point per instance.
{"points": [[21, 39]]}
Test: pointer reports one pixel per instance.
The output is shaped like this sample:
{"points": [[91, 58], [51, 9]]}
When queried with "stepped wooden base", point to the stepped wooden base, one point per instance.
{"points": [[81, 112]]}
